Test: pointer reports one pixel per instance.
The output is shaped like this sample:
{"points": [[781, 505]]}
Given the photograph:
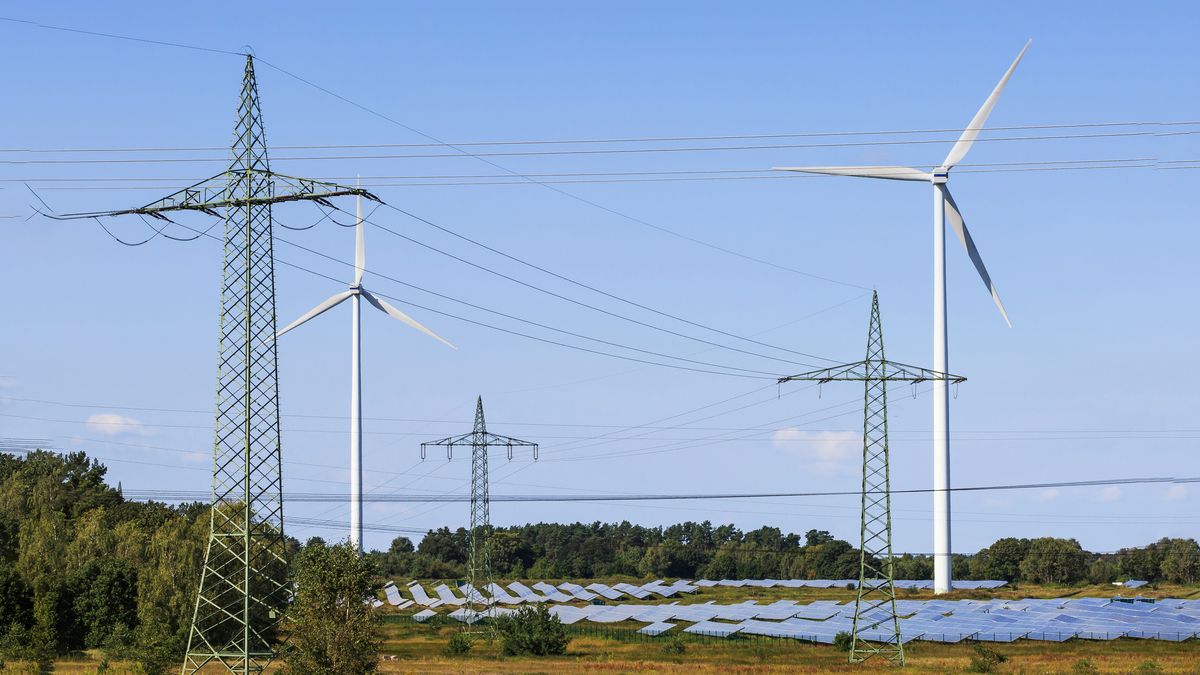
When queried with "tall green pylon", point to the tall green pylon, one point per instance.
{"points": [[876, 628], [243, 586]]}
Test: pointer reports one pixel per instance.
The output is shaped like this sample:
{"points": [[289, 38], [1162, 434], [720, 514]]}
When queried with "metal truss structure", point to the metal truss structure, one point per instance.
{"points": [[479, 564], [244, 584], [876, 627]]}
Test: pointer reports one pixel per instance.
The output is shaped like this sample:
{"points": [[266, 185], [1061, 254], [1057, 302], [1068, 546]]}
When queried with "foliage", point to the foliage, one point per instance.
{"points": [[1050, 560], [532, 631], [985, 660], [1084, 667], [80, 567], [460, 643], [332, 631], [843, 641], [1148, 666], [1001, 560], [674, 646]]}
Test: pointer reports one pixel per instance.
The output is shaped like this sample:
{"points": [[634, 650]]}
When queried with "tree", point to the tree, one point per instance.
{"points": [[105, 594], [1050, 560], [1001, 560], [16, 599], [401, 545], [1181, 561], [533, 631], [332, 631]]}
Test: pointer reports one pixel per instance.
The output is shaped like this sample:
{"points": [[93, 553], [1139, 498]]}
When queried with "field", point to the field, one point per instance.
{"points": [[617, 648]]}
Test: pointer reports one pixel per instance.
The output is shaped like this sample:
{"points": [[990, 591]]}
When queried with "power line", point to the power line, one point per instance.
{"points": [[574, 152], [631, 139], [492, 326], [187, 181], [185, 495]]}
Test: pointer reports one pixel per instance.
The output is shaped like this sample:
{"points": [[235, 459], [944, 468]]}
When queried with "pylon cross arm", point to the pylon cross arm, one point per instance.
{"points": [[874, 370], [219, 192]]}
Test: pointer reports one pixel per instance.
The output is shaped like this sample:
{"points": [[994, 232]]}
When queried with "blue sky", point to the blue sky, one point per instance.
{"points": [[1096, 266]]}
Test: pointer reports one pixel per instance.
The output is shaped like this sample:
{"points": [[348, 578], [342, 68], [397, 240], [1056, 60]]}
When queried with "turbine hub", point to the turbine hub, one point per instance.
{"points": [[940, 176], [356, 288]]}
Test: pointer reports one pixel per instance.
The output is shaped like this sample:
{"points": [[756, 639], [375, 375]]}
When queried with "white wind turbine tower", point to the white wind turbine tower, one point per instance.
{"points": [[356, 293], [943, 206]]}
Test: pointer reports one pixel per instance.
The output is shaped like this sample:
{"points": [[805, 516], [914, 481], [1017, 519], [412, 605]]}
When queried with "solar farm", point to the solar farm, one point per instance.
{"points": [[793, 624]]}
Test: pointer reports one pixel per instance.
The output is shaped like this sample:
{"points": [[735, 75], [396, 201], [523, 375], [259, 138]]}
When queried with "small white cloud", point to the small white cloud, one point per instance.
{"points": [[827, 451], [1177, 492], [1049, 495], [8, 382], [112, 424], [1110, 494]]}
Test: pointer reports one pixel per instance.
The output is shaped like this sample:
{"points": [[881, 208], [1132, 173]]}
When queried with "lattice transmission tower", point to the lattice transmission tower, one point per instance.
{"points": [[479, 563], [244, 584], [876, 628]]}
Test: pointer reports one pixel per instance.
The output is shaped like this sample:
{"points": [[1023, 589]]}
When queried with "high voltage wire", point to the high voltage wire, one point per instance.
{"points": [[459, 150], [197, 411], [632, 139], [581, 285], [609, 151], [763, 375], [664, 172], [187, 495]]}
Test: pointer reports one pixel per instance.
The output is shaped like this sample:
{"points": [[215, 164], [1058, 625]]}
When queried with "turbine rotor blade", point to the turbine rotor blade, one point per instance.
{"points": [[964, 235], [385, 307], [316, 311], [884, 172], [963, 146], [360, 251]]}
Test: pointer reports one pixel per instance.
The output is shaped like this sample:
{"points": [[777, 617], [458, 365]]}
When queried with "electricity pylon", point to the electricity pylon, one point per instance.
{"points": [[876, 627], [479, 562], [244, 584]]}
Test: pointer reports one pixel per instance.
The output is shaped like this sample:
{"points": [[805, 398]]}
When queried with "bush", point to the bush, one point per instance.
{"points": [[843, 641], [460, 643], [1084, 667], [1148, 666], [985, 660], [674, 646], [533, 631]]}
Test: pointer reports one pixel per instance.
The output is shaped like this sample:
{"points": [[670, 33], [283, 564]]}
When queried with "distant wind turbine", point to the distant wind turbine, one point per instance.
{"points": [[943, 206], [354, 294]]}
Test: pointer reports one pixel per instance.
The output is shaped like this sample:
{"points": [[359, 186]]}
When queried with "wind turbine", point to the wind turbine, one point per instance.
{"points": [[355, 294], [944, 209]]}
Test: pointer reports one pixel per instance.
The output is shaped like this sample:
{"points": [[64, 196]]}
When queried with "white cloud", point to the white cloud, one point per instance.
{"points": [[112, 424], [1177, 492], [1110, 494], [8, 382], [1048, 495], [826, 451]]}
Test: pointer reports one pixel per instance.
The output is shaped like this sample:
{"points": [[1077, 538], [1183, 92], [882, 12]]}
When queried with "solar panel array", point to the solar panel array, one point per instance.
{"points": [[517, 593], [996, 620]]}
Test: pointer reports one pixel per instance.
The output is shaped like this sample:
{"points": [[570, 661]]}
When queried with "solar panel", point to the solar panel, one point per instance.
{"points": [[713, 629], [552, 593], [447, 596], [577, 591], [422, 598], [424, 615], [604, 591], [657, 628]]}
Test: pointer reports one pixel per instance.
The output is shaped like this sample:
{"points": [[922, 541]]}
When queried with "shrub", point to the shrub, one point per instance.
{"points": [[533, 631], [460, 643], [843, 641], [1084, 667], [985, 660], [1148, 666], [674, 646]]}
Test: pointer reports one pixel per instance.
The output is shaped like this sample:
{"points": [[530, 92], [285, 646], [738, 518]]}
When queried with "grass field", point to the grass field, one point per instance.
{"points": [[616, 648]]}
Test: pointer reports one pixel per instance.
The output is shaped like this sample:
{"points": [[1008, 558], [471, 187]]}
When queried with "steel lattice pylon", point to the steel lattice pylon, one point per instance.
{"points": [[479, 563], [876, 627], [243, 586]]}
